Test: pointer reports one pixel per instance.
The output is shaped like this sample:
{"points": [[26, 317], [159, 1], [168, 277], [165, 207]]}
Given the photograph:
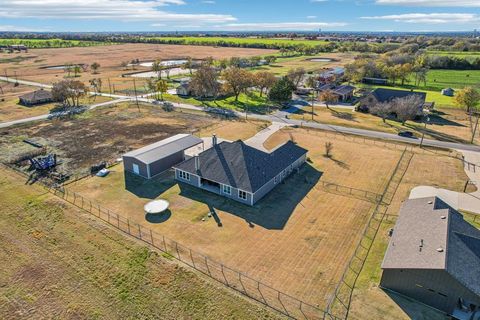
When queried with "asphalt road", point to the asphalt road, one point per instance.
{"points": [[280, 116]]}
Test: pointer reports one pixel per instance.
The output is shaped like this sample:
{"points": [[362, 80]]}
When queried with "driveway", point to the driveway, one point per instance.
{"points": [[457, 200], [259, 139]]}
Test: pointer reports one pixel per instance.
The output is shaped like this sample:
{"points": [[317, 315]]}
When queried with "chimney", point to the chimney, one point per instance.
{"points": [[214, 140], [197, 163]]}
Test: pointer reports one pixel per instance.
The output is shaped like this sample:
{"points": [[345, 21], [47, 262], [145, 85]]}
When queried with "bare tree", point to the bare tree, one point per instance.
{"points": [[296, 76], [381, 109], [328, 97], [69, 92], [264, 81], [95, 66], [407, 108]]}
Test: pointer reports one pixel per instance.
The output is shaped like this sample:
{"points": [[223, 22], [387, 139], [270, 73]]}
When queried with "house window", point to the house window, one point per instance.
{"points": [[227, 189], [242, 194], [184, 175]]}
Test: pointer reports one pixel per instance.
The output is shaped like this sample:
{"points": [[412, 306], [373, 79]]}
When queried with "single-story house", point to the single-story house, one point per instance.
{"points": [[343, 92], [330, 75], [240, 172], [382, 95], [184, 90], [158, 157], [434, 257], [36, 97], [449, 92]]}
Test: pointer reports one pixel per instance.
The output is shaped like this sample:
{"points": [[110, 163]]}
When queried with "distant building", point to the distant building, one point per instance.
{"points": [[240, 172], [343, 92], [449, 92], [382, 95], [158, 157], [36, 97], [434, 257], [376, 81], [331, 75]]}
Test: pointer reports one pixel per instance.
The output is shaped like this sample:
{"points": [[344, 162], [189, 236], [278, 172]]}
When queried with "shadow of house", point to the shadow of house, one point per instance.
{"points": [[271, 212], [149, 189], [413, 309]]}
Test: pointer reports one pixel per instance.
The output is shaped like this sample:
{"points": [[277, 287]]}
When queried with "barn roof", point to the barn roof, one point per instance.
{"points": [[164, 148], [431, 235], [38, 95], [241, 166]]}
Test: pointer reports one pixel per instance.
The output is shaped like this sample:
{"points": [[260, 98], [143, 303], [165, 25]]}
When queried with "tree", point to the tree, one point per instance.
{"points": [[205, 83], [282, 90], [264, 81], [189, 65], [328, 97], [157, 67], [95, 66], [328, 149], [311, 82], [96, 84], [124, 65], [296, 75], [69, 92], [382, 110], [161, 87], [237, 80], [469, 98], [76, 70], [407, 108]]}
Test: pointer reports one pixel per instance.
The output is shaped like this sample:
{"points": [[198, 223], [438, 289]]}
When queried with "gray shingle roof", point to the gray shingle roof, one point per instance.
{"points": [[387, 95], [164, 148], [241, 166], [426, 225], [38, 95]]}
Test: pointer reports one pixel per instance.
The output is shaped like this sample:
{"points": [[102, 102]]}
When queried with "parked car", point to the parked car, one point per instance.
{"points": [[406, 134]]}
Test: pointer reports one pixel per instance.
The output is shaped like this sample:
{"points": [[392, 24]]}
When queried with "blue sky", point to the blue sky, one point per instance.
{"points": [[239, 15]]}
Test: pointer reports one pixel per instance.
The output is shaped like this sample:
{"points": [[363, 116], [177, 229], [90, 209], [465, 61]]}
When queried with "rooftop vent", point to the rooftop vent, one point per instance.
{"points": [[430, 202], [440, 249], [443, 217]]}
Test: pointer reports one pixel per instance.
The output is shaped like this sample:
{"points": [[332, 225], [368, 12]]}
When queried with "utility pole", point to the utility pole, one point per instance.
{"points": [[426, 118], [136, 96], [313, 103], [109, 86]]}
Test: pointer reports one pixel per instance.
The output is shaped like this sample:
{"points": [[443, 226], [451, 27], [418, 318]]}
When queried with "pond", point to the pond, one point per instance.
{"points": [[150, 74], [61, 67], [320, 60], [166, 63]]}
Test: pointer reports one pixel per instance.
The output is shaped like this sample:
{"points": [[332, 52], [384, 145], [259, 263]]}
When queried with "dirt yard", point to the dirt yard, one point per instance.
{"points": [[297, 239], [106, 133], [58, 262]]}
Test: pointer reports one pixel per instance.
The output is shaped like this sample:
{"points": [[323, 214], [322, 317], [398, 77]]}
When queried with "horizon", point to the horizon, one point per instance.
{"points": [[396, 16]]}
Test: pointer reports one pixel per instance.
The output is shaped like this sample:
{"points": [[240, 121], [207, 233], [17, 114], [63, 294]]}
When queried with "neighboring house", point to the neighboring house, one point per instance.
{"points": [[36, 97], [331, 75], [240, 172], [184, 89], [158, 157], [343, 92], [434, 257], [449, 92], [382, 95]]}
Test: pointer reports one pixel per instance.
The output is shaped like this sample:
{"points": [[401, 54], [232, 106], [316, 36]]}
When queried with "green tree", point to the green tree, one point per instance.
{"points": [[469, 98], [161, 87], [237, 80], [264, 81], [95, 66], [328, 97], [282, 90]]}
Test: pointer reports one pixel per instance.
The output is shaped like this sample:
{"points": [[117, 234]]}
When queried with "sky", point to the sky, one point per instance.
{"points": [[239, 15]]}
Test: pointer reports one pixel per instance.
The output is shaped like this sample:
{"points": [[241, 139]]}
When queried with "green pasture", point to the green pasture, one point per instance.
{"points": [[51, 43]]}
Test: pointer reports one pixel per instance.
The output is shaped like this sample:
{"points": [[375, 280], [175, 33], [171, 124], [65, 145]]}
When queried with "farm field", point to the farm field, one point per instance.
{"points": [[459, 54], [68, 265], [289, 229], [50, 43], [445, 124], [457, 79]]}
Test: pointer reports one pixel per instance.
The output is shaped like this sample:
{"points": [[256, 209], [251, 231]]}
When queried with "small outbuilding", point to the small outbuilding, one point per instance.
{"points": [[449, 92], [36, 97], [159, 157]]}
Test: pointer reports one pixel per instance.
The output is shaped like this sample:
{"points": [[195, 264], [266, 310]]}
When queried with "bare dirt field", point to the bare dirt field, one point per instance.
{"points": [[297, 239], [31, 65], [106, 133], [58, 262]]}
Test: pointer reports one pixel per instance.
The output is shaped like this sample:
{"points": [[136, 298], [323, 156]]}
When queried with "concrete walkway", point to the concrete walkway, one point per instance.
{"points": [[259, 139], [457, 200]]}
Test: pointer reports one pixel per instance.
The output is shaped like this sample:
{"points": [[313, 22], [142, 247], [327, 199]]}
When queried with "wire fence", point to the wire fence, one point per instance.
{"points": [[353, 192], [339, 304], [250, 287]]}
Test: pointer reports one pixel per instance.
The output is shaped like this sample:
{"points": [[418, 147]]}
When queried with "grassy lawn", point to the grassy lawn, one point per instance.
{"points": [[445, 124], [68, 265], [440, 79]]}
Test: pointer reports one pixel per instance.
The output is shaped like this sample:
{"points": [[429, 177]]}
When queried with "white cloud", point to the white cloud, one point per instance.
{"points": [[208, 1], [280, 26], [123, 10], [431, 18], [7, 28], [318, 1], [311, 17], [431, 3]]}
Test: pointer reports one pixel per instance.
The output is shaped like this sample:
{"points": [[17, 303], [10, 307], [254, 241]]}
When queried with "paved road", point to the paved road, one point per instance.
{"points": [[280, 116]]}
